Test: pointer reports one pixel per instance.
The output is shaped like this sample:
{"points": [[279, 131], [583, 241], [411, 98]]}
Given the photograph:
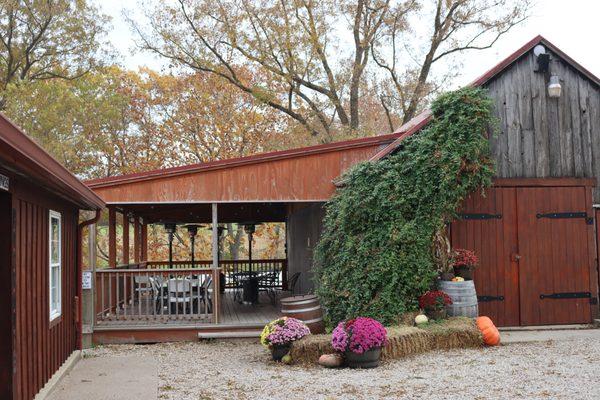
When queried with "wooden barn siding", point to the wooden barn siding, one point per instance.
{"points": [[41, 347], [544, 137], [299, 178]]}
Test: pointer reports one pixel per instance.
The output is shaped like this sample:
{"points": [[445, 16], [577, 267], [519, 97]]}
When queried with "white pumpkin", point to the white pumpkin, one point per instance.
{"points": [[421, 319]]}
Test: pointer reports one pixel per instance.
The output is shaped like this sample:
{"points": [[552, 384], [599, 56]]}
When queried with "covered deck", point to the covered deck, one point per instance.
{"points": [[142, 300]]}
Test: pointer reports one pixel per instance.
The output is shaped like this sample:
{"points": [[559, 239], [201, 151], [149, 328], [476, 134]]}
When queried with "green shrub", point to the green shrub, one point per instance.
{"points": [[375, 254]]}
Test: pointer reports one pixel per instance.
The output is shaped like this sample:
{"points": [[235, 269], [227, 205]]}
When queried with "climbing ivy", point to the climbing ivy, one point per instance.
{"points": [[374, 257]]}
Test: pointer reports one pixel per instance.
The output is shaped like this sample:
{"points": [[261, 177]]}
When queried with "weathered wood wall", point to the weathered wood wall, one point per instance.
{"points": [[541, 136], [304, 226], [40, 347]]}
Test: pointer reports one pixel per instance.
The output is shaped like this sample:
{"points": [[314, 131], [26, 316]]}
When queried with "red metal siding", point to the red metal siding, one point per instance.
{"points": [[41, 347]]}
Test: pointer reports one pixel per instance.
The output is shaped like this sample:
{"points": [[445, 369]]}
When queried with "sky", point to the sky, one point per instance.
{"points": [[572, 25]]}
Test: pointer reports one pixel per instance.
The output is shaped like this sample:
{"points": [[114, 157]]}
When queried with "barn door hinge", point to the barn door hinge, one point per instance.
{"points": [[480, 216], [588, 220], [567, 295], [490, 298]]}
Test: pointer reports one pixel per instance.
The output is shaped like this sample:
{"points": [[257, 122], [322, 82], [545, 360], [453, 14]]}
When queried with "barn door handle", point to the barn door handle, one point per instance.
{"points": [[514, 257]]}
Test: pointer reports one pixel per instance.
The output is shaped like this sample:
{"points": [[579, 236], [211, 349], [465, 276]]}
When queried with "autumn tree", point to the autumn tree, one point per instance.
{"points": [[46, 39], [318, 60]]}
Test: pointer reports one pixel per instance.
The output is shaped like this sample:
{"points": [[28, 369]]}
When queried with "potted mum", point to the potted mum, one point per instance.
{"points": [[360, 340], [464, 262], [434, 303], [279, 334]]}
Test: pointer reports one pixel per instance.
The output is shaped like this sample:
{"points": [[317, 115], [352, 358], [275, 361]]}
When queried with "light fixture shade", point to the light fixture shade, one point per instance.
{"points": [[554, 87], [170, 227]]}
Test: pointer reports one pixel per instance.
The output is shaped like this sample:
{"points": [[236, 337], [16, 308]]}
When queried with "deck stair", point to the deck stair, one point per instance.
{"points": [[230, 335]]}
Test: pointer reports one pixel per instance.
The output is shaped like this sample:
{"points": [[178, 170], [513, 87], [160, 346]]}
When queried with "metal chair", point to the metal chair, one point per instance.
{"points": [[292, 282], [268, 283]]}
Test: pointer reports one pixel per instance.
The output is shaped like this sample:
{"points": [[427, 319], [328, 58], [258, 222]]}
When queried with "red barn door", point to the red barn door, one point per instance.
{"points": [[534, 253], [489, 227]]}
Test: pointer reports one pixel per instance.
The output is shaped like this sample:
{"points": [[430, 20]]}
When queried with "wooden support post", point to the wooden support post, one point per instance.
{"points": [[125, 259], [215, 265], [144, 240], [112, 238], [136, 240]]}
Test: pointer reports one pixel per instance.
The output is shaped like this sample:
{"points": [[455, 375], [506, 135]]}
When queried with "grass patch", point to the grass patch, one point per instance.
{"points": [[403, 340]]}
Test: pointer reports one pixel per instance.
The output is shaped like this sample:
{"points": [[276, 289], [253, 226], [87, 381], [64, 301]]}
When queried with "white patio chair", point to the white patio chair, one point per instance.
{"points": [[179, 294]]}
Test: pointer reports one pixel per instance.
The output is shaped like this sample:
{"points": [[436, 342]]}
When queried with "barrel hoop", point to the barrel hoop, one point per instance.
{"points": [[299, 302], [300, 310]]}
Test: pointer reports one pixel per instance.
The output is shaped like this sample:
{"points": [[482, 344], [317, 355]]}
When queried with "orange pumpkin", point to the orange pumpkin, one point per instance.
{"points": [[491, 336]]}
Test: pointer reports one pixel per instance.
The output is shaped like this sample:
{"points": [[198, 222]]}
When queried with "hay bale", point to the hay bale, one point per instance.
{"points": [[458, 332]]}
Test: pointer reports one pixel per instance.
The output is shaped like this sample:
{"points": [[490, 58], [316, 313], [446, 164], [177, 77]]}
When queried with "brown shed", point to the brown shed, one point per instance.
{"points": [[40, 280]]}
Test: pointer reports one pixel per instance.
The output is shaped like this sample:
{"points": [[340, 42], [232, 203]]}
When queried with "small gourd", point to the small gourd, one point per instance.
{"points": [[421, 319], [491, 336]]}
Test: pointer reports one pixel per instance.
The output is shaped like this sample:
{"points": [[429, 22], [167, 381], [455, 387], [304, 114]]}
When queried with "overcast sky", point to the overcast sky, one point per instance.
{"points": [[572, 25]]}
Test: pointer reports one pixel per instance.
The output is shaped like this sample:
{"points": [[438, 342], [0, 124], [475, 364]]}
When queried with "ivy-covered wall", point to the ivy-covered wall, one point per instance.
{"points": [[375, 254]]}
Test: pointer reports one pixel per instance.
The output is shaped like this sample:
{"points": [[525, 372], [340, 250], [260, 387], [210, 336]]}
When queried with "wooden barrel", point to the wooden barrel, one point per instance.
{"points": [[464, 298], [307, 309]]}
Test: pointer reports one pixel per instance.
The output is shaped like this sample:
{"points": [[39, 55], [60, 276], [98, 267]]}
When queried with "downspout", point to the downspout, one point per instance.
{"points": [[79, 315]]}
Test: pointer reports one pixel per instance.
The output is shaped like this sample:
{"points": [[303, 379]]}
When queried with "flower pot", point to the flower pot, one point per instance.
{"points": [[368, 359], [279, 351], [465, 272], [436, 314]]}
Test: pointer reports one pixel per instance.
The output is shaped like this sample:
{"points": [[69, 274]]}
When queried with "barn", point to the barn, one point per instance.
{"points": [[534, 230], [40, 280]]}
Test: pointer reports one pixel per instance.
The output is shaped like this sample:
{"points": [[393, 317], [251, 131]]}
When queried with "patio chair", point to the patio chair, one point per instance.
{"points": [[268, 283], [142, 286], [179, 295], [159, 294], [206, 293], [292, 282]]}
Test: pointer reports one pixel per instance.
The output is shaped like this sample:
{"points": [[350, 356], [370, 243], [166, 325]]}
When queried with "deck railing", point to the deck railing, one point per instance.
{"points": [[159, 295], [232, 268]]}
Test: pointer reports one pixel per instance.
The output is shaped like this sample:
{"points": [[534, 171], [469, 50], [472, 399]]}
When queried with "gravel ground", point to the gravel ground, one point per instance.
{"points": [[242, 370]]}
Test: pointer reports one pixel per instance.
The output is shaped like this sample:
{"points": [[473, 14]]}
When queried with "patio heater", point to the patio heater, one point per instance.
{"points": [[170, 229], [192, 231], [220, 231], [250, 287]]}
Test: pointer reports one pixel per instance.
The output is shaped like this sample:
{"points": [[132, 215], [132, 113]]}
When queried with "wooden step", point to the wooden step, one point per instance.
{"points": [[230, 334]]}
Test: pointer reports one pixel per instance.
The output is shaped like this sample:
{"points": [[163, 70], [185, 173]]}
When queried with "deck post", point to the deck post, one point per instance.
{"points": [[112, 237], [215, 264], [125, 259], [136, 239], [144, 239]]}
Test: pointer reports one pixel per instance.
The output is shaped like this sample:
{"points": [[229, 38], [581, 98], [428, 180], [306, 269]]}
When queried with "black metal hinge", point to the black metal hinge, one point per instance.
{"points": [[567, 295], [480, 216], [490, 298], [588, 220]]}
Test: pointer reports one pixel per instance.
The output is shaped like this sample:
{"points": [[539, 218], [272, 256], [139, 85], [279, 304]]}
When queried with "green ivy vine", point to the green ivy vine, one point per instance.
{"points": [[374, 257]]}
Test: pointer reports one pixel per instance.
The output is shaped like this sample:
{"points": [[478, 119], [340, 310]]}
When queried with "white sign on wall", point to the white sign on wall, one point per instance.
{"points": [[86, 280]]}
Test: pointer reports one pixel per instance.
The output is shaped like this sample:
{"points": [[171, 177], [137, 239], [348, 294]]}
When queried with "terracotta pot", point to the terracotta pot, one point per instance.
{"points": [[465, 272], [279, 351], [436, 314], [368, 359]]}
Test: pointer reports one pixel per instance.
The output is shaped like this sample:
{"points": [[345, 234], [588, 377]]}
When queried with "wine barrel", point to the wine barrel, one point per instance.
{"points": [[307, 309], [464, 298]]}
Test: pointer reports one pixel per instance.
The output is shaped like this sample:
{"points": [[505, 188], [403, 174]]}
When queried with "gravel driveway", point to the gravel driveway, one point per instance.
{"points": [[242, 370]]}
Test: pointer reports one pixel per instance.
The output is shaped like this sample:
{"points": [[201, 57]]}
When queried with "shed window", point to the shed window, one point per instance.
{"points": [[55, 256]]}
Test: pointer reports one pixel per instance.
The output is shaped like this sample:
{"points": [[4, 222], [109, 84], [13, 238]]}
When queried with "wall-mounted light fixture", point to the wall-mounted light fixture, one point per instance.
{"points": [[554, 88], [543, 58]]}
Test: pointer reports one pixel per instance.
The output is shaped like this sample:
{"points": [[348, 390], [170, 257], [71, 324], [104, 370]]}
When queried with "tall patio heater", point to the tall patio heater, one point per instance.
{"points": [[170, 229], [250, 287], [192, 231]]}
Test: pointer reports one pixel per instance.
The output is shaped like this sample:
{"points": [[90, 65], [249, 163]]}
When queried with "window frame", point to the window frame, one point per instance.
{"points": [[55, 312]]}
